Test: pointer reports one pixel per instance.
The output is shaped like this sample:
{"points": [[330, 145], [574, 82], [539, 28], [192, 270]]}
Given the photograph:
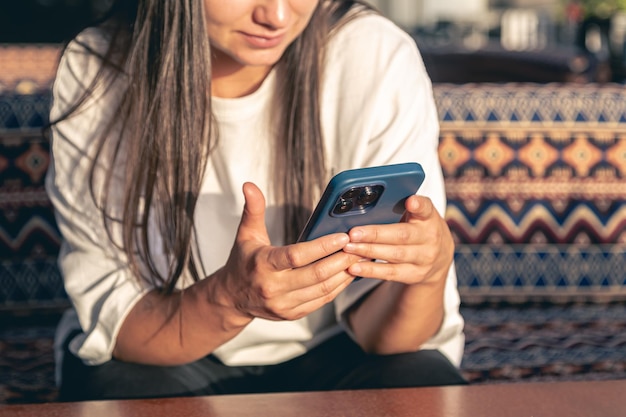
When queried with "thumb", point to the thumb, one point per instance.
{"points": [[252, 224], [419, 208]]}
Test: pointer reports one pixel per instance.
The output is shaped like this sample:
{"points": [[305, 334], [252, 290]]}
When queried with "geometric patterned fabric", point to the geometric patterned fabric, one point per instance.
{"points": [[29, 238], [535, 179]]}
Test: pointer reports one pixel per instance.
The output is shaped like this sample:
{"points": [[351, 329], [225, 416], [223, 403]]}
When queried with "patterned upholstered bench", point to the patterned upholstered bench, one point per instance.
{"points": [[534, 176], [536, 188], [29, 239]]}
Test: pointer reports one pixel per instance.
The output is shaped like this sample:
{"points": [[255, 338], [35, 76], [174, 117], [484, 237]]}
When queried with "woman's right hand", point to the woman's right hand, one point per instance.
{"points": [[279, 283], [258, 280]]}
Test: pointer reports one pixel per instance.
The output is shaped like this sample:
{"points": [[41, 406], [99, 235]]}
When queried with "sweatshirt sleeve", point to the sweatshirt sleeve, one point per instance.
{"points": [[96, 277], [381, 111]]}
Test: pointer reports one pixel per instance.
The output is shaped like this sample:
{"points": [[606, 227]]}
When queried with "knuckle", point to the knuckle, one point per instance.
{"points": [[427, 257], [293, 256], [320, 272], [403, 235], [268, 290], [327, 246], [365, 268], [279, 310], [391, 273], [368, 251], [420, 274], [296, 315], [367, 233], [326, 289], [430, 256], [399, 253], [328, 298]]}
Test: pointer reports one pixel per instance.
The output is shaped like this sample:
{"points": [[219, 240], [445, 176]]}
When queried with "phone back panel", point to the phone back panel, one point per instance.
{"points": [[392, 183]]}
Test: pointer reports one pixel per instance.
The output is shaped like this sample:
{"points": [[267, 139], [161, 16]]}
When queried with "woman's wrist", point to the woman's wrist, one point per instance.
{"points": [[218, 295]]}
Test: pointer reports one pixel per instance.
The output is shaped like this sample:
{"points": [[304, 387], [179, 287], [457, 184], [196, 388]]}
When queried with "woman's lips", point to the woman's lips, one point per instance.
{"points": [[262, 41]]}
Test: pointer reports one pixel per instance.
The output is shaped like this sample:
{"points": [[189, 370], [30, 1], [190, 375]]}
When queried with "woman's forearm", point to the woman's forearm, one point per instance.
{"points": [[178, 328], [398, 318]]}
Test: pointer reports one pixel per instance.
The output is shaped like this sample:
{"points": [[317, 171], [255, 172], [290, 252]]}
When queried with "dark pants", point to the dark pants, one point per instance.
{"points": [[338, 363]]}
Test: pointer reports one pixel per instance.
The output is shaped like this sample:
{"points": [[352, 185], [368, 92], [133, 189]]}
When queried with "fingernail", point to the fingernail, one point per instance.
{"points": [[356, 235], [350, 247]]}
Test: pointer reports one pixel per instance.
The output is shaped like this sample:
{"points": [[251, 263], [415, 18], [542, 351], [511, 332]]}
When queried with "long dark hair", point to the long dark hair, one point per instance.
{"points": [[161, 51]]}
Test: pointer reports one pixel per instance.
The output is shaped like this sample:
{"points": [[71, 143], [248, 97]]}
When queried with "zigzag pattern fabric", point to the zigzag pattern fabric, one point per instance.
{"points": [[29, 238], [535, 185]]}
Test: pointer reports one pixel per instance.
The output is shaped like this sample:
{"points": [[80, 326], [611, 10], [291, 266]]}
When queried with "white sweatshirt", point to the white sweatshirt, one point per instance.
{"points": [[377, 108]]}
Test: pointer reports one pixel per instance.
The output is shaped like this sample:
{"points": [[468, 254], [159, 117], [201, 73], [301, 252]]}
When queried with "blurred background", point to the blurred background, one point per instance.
{"points": [[552, 40], [45, 21]]}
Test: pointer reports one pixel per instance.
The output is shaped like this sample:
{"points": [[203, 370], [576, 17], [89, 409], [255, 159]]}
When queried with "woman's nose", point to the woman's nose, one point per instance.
{"points": [[274, 14]]}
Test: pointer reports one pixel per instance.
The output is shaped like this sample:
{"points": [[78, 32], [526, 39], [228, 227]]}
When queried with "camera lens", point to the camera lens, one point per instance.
{"points": [[367, 196], [343, 206], [351, 193]]}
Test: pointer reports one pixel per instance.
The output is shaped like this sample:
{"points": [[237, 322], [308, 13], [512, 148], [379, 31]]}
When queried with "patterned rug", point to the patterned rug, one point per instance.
{"points": [[27, 359], [505, 343], [544, 342]]}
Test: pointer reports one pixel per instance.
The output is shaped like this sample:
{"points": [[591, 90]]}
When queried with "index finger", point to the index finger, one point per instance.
{"points": [[304, 253]]}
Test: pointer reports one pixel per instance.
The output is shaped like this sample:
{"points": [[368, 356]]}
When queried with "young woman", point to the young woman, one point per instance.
{"points": [[191, 140]]}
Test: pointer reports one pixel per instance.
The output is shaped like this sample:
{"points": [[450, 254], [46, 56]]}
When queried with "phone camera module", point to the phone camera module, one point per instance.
{"points": [[358, 199]]}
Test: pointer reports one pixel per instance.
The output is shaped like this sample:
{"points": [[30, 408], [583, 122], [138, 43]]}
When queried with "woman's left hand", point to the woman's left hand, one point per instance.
{"points": [[419, 249]]}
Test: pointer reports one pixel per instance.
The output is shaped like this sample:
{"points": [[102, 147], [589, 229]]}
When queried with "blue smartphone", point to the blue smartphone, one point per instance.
{"points": [[363, 196]]}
